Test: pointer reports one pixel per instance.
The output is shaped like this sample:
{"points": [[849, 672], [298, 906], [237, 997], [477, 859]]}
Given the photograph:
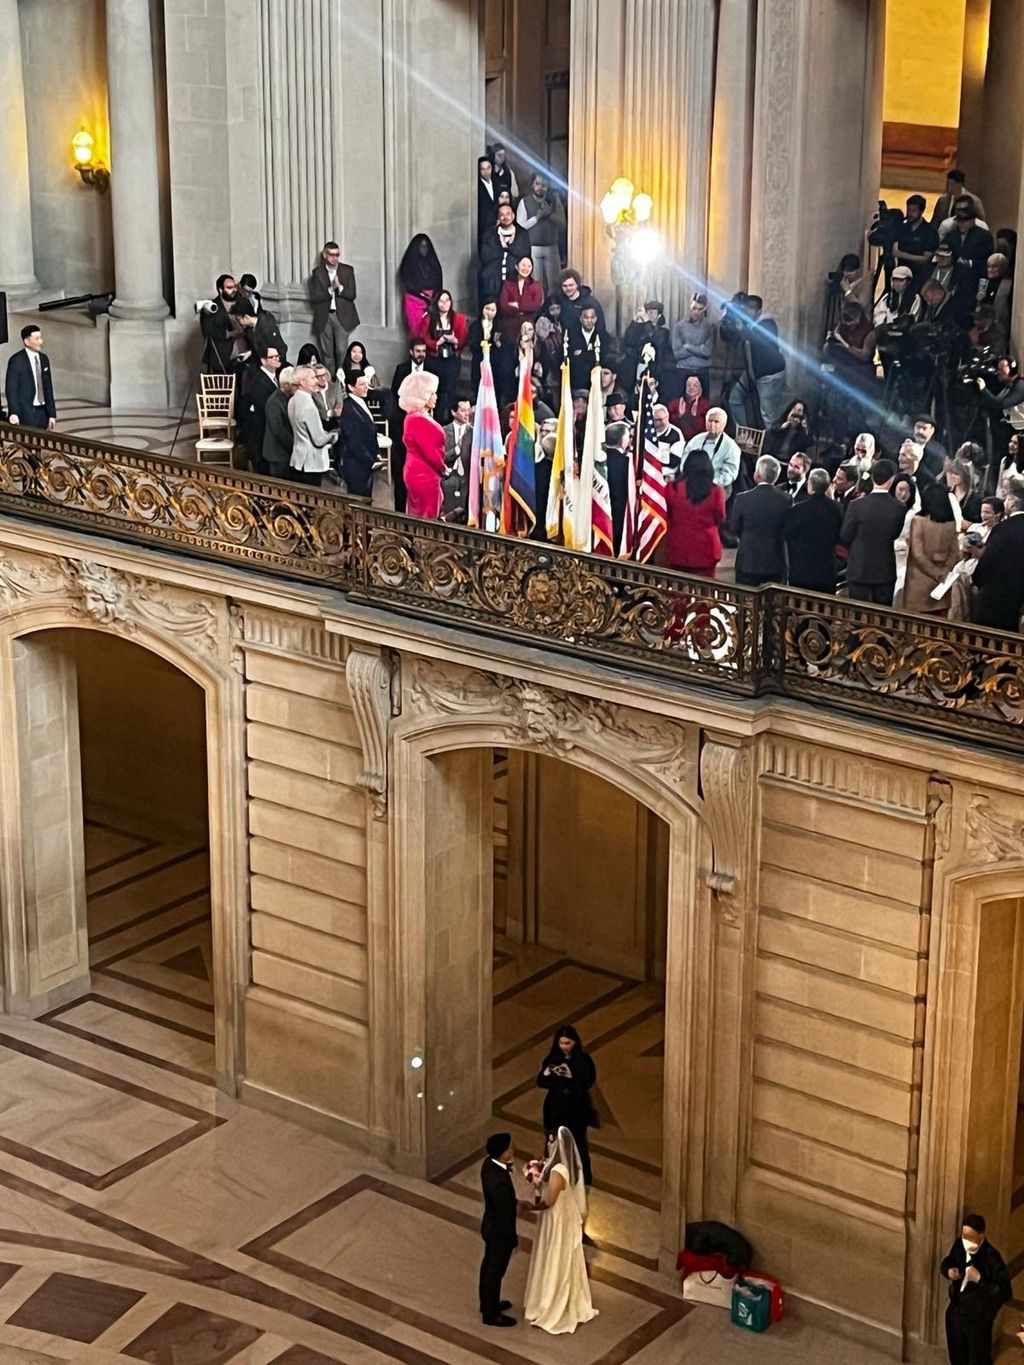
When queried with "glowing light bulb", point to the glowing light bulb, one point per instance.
{"points": [[610, 208], [645, 246], [416, 1062], [623, 189], [643, 205], [81, 147]]}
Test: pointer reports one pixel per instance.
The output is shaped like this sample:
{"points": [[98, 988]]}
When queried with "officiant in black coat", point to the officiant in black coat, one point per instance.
{"points": [[498, 1228], [979, 1285], [568, 1075]]}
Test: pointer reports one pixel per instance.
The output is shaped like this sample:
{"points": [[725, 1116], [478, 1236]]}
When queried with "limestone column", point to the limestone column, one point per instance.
{"points": [[134, 184], [17, 266], [731, 146]]}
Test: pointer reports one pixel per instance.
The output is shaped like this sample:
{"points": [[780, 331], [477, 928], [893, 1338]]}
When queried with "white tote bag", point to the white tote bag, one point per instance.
{"points": [[709, 1287]]}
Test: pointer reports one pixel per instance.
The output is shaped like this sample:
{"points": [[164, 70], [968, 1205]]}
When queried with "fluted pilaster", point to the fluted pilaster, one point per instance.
{"points": [[302, 102], [134, 181], [17, 266]]}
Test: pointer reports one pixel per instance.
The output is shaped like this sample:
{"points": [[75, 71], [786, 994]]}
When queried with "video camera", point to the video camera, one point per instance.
{"points": [[735, 319], [885, 226]]}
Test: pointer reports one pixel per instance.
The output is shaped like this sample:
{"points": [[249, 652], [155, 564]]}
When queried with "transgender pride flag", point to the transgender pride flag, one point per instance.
{"points": [[487, 458]]}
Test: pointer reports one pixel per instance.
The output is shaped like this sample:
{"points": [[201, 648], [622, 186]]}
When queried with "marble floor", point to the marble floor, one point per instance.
{"points": [[147, 1217], [153, 430]]}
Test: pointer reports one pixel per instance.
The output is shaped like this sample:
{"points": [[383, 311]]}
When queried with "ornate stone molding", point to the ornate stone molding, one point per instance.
{"points": [[115, 600], [291, 634], [940, 813], [878, 783], [726, 776], [369, 677], [990, 833], [558, 722]]}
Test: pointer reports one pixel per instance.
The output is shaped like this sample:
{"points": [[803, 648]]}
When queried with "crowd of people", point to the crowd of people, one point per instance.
{"points": [[789, 484]]}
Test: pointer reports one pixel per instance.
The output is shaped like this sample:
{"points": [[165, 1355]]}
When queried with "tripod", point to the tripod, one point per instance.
{"points": [[219, 368]]}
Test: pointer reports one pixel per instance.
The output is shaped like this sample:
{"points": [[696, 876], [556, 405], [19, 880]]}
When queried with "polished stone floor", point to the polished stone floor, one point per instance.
{"points": [[146, 1217], [157, 431]]}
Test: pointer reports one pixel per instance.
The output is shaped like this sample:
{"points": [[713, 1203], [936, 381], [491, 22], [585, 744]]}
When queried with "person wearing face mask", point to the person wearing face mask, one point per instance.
{"points": [[979, 1285]]}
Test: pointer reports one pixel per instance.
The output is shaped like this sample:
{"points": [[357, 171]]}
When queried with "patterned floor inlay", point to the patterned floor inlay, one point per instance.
{"points": [[74, 1307], [191, 1336], [148, 1217]]}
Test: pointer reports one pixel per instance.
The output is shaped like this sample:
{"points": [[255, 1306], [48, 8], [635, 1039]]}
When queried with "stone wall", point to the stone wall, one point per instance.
{"points": [[306, 1005]]}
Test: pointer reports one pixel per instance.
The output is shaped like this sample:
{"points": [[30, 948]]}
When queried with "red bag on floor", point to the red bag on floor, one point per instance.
{"points": [[689, 1263], [751, 1277]]}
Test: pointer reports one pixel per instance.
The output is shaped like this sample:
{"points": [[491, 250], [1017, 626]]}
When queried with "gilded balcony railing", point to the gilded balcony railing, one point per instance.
{"points": [[898, 668]]}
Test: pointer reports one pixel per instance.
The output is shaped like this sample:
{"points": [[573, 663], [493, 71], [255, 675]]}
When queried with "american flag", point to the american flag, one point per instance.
{"points": [[652, 520]]}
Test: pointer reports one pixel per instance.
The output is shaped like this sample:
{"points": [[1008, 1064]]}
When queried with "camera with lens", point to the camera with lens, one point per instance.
{"points": [[981, 364], [885, 226], [735, 319]]}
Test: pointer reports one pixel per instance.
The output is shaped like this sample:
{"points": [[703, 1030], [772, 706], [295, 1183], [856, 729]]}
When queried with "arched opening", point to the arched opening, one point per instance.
{"points": [[113, 793], [580, 919], [994, 1150], [586, 910]]}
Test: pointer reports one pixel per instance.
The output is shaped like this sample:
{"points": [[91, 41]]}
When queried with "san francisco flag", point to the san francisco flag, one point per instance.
{"points": [[652, 520], [519, 505], [592, 526], [487, 458], [562, 493]]}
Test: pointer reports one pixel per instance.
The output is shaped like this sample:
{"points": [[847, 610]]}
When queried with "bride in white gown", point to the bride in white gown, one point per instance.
{"points": [[557, 1288]]}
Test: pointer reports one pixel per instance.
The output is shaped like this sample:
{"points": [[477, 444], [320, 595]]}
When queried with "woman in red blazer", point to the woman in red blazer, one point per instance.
{"points": [[520, 300], [446, 332], [696, 509]]}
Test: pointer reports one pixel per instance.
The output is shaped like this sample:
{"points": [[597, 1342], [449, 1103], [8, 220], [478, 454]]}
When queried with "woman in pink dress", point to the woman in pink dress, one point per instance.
{"points": [[424, 445]]}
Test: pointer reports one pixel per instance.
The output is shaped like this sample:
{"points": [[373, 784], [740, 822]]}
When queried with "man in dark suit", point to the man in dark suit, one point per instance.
{"points": [[869, 532], [417, 361], [252, 407], [278, 437], [29, 383], [332, 292], [585, 339], [812, 532], [498, 1228], [979, 1285], [795, 482], [357, 442], [220, 327], [260, 324], [759, 519], [458, 446], [999, 573], [501, 247]]}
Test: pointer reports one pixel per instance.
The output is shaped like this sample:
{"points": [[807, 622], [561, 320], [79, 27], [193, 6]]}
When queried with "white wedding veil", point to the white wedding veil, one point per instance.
{"points": [[566, 1154]]}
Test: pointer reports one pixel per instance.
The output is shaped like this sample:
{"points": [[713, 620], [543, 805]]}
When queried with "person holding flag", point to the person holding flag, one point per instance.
{"points": [[487, 455], [652, 510], [519, 502], [561, 508], [592, 526]]}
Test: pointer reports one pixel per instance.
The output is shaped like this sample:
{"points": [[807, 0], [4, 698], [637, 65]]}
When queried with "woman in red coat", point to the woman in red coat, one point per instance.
{"points": [[423, 439], [696, 509], [520, 300], [446, 332]]}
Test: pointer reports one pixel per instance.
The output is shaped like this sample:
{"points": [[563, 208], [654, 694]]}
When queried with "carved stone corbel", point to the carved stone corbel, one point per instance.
{"points": [[726, 783], [369, 678]]}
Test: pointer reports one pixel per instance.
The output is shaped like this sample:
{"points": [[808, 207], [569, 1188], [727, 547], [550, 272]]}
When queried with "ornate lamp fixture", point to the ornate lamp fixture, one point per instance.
{"points": [[93, 173]]}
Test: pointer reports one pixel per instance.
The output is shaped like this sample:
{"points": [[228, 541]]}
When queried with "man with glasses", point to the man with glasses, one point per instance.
{"points": [[332, 292]]}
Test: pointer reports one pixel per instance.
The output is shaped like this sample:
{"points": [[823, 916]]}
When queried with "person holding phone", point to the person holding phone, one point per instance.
{"points": [[979, 1285], [568, 1075]]}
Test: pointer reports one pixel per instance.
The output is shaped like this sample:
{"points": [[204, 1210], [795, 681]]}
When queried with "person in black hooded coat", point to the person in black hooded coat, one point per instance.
{"points": [[567, 1075]]}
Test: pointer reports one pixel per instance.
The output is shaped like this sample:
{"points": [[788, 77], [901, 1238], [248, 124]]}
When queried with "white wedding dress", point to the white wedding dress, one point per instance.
{"points": [[557, 1288]]}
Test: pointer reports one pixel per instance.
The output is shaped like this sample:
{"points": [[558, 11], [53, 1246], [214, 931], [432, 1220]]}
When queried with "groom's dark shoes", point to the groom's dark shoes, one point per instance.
{"points": [[502, 1320]]}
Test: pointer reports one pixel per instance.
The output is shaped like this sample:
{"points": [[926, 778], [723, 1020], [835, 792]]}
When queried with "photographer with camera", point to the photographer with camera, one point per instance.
{"points": [[916, 240], [1003, 405], [220, 327], [541, 214], [895, 313]]}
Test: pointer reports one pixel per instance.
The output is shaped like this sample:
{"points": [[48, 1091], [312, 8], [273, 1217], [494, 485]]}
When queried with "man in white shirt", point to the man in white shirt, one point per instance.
{"points": [[29, 384], [724, 452], [668, 437]]}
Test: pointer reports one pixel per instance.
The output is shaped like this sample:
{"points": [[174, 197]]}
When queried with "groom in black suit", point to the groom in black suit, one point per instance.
{"points": [[498, 1228]]}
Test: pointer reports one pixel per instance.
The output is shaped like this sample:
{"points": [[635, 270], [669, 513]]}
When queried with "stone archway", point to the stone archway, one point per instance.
{"points": [[453, 718], [194, 635]]}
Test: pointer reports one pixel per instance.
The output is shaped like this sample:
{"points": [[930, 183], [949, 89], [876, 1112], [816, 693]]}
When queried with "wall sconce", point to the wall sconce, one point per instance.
{"points": [[92, 173], [626, 213]]}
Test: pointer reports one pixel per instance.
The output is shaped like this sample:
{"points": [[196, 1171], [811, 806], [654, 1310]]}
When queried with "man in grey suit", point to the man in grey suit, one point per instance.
{"points": [[332, 292], [458, 444]]}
